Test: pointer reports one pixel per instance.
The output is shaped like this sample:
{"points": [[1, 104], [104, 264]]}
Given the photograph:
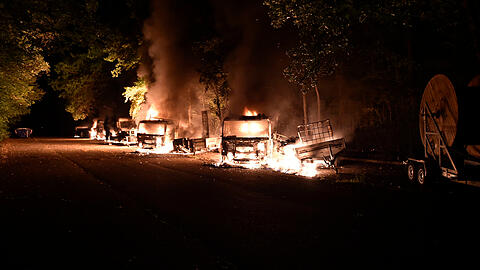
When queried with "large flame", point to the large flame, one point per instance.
{"points": [[247, 112], [164, 149], [152, 112], [285, 161]]}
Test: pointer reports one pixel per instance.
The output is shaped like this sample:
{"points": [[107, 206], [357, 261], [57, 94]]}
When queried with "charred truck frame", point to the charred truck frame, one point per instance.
{"points": [[125, 132], [246, 139], [155, 133]]}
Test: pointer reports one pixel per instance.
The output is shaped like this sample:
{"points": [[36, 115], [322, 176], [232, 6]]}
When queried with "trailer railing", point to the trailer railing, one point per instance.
{"points": [[315, 132]]}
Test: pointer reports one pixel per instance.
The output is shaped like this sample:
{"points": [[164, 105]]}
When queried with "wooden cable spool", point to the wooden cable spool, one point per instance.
{"points": [[454, 112]]}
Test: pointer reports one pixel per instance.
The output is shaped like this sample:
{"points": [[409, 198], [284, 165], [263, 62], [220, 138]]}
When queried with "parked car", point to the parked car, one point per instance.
{"points": [[23, 132]]}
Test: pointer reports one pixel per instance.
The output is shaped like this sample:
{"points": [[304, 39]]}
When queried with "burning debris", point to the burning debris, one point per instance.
{"points": [[97, 132], [248, 141]]}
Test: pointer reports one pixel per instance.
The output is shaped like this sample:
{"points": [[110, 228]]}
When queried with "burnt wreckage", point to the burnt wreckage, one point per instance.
{"points": [[155, 133], [246, 139]]}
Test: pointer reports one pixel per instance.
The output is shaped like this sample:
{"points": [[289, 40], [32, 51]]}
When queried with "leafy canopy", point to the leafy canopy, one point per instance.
{"points": [[326, 29]]}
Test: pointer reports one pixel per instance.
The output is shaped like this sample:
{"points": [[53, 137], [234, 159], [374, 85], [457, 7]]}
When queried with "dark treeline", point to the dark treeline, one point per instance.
{"points": [[368, 60]]}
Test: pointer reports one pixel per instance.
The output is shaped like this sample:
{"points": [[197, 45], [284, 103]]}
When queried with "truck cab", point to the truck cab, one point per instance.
{"points": [[125, 131], [246, 139], [155, 133]]}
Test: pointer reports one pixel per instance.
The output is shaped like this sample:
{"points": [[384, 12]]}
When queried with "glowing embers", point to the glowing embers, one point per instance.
{"points": [[247, 112], [285, 160], [163, 149]]}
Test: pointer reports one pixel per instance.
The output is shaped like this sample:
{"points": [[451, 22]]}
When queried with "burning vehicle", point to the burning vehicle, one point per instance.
{"points": [[158, 134], [97, 132], [246, 139], [125, 132]]}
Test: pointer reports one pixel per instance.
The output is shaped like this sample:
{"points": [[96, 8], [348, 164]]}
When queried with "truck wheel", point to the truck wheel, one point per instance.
{"points": [[411, 172], [421, 176]]}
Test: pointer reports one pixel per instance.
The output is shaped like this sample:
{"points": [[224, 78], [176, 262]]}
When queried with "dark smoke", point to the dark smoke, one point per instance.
{"points": [[254, 64], [174, 89]]}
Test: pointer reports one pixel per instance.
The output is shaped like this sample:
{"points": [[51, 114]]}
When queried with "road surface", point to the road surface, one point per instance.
{"points": [[75, 203]]}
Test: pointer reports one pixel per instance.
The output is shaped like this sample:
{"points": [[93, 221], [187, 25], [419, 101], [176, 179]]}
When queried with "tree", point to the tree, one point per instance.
{"points": [[136, 96], [21, 48], [85, 42], [212, 53], [97, 51], [326, 30]]}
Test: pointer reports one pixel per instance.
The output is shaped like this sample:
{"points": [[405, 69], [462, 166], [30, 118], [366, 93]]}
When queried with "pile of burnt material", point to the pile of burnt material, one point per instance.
{"points": [[187, 145]]}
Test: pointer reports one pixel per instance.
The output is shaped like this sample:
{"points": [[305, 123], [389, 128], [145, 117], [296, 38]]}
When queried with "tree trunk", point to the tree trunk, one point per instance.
{"points": [[305, 115], [318, 103]]}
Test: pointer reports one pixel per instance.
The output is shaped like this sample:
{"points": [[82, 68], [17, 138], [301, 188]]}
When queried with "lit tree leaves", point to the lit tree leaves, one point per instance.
{"points": [[21, 48], [136, 96]]}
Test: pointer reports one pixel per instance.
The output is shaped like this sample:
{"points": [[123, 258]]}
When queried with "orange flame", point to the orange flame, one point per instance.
{"points": [[247, 112], [152, 112]]}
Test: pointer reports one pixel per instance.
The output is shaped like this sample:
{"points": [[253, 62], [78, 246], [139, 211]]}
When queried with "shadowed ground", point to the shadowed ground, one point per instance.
{"points": [[68, 203]]}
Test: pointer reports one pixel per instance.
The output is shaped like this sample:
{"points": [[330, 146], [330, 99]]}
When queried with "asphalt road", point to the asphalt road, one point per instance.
{"points": [[73, 203]]}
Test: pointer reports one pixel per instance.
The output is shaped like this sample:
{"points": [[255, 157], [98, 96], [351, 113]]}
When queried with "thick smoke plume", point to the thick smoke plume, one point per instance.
{"points": [[255, 63], [174, 90]]}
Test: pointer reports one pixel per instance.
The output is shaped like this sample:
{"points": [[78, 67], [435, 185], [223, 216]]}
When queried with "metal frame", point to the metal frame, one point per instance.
{"points": [[435, 142], [315, 132]]}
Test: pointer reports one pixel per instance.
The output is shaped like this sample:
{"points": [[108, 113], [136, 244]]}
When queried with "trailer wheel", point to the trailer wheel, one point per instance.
{"points": [[421, 176], [411, 172]]}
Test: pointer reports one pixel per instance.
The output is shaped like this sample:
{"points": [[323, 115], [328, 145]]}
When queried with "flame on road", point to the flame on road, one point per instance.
{"points": [[164, 149], [284, 161]]}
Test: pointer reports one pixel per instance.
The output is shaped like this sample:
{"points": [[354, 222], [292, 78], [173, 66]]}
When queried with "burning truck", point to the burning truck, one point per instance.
{"points": [[156, 134], [249, 141], [246, 139], [125, 132], [97, 132]]}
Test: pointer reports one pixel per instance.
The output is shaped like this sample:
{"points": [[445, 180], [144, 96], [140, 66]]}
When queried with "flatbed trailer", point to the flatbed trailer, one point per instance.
{"points": [[318, 142]]}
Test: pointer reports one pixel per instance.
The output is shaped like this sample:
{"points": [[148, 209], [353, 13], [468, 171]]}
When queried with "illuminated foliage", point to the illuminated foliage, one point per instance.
{"points": [[86, 44], [21, 48], [136, 96]]}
